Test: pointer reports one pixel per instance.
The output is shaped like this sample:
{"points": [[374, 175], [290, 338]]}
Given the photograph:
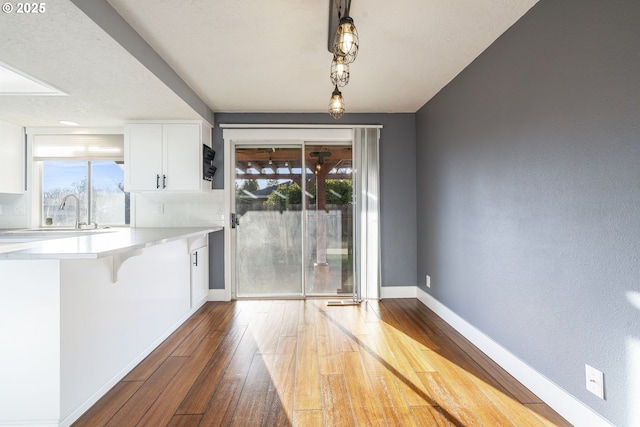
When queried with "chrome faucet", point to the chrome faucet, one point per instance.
{"points": [[64, 202]]}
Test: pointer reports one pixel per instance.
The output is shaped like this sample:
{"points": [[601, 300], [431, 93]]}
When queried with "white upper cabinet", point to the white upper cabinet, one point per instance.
{"points": [[165, 156], [12, 159], [182, 158], [143, 157]]}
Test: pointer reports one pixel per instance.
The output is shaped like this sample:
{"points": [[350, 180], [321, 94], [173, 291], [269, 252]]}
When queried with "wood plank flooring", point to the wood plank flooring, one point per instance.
{"points": [[303, 363]]}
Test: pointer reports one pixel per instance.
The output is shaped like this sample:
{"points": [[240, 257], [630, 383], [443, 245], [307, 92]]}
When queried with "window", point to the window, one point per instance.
{"points": [[98, 186], [87, 168]]}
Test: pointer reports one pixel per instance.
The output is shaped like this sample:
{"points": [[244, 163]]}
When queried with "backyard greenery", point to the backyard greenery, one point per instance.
{"points": [[338, 192]]}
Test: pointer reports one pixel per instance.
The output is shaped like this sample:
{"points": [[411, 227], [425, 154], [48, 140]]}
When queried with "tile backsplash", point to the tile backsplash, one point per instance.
{"points": [[177, 209], [14, 210], [148, 210]]}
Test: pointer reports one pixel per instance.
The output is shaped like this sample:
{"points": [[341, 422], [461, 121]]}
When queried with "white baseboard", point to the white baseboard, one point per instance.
{"points": [[573, 410], [217, 295], [388, 292]]}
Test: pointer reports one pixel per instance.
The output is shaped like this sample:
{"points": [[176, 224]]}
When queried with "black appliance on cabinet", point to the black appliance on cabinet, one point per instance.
{"points": [[208, 170]]}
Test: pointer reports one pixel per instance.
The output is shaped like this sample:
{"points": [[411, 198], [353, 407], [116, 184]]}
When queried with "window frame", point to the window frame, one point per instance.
{"points": [[39, 192]]}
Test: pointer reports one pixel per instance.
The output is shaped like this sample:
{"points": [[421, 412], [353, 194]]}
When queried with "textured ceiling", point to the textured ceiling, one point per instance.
{"points": [[243, 56], [67, 50], [256, 55]]}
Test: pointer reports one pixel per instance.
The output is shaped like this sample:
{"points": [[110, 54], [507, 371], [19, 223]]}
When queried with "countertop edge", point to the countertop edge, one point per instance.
{"points": [[71, 248]]}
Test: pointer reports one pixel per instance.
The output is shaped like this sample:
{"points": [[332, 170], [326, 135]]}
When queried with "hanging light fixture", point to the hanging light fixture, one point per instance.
{"points": [[344, 47], [345, 40], [339, 71], [336, 104]]}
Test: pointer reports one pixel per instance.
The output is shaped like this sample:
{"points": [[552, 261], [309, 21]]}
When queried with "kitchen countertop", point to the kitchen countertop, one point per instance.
{"points": [[98, 244]]}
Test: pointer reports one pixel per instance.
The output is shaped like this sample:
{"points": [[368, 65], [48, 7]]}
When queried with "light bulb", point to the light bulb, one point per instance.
{"points": [[336, 104], [339, 71], [346, 42]]}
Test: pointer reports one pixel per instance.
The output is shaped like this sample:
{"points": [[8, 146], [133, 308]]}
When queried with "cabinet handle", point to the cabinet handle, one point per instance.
{"points": [[196, 261], [157, 181], [164, 181]]}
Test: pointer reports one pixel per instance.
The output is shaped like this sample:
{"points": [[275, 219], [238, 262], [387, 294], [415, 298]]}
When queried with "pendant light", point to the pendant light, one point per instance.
{"points": [[345, 49], [339, 71], [345, 41], [336, 104]]}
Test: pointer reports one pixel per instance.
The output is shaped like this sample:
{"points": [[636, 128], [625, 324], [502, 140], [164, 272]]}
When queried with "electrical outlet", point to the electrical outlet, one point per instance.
{"points": [[594, 381], [160, 208], [428, 279], [19, 210], [0, 209]]}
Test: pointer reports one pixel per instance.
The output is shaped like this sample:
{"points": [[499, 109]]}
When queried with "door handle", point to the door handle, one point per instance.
{"points": [[157, 181], [235, 220], [164, 181], [196, 258]]}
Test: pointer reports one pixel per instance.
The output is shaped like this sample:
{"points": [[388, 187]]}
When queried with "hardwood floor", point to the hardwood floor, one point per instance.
{"points": [[303, 363]]}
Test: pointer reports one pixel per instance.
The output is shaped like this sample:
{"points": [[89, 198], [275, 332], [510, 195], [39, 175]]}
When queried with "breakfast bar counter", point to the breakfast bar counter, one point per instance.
{"points": [[79, 312], [88, 244]]}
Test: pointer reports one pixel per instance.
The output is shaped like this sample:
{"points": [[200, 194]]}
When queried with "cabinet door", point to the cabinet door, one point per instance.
{"points": [[143, 164], [199, 275], [12, 161], [183, 154]]}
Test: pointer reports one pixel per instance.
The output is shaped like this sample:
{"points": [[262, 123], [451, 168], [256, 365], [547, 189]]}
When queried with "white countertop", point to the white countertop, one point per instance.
{"points": [[101, 243]]}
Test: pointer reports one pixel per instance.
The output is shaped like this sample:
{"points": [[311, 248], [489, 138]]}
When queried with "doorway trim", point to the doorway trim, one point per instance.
{"points": [[248, 133]]}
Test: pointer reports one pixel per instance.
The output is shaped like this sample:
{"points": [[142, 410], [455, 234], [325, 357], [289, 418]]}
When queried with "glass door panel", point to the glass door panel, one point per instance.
{"points": [[328, 263], [268, 204]]}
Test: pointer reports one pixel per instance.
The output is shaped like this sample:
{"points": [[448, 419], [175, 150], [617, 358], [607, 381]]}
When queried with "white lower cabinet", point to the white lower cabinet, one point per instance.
{"points": [[199, 274]]}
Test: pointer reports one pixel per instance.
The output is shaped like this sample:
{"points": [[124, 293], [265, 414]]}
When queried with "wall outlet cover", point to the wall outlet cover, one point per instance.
{"points": [[594, 381], [428, 281]]}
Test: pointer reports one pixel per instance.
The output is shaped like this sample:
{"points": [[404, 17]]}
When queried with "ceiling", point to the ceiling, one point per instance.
{"points": [[104, 83], [240, 56]]}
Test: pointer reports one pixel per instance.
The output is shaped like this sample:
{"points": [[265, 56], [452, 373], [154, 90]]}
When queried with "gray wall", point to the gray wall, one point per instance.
{"points": [[397, 185], [529, 195]]}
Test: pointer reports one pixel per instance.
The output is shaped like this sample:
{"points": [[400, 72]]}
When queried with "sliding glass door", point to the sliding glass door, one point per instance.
{"points": [[268, 208], [293, 205], [329, 220]]}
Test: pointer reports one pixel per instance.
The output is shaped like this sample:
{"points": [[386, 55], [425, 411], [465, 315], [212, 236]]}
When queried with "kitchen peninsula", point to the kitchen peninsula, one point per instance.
{"points": [[78, 313]]}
